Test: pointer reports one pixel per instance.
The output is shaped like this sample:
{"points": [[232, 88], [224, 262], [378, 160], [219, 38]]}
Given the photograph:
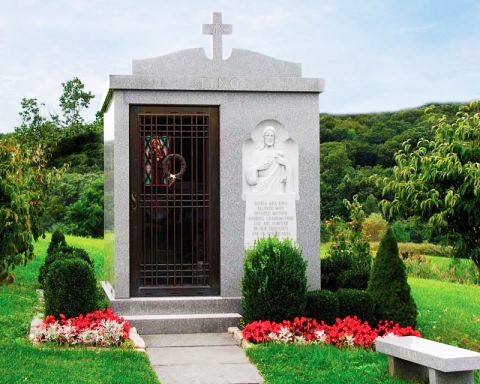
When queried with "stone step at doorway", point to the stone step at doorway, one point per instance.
{"points": [[183, 323], [186, 314], [203, 358], [175, 305]]}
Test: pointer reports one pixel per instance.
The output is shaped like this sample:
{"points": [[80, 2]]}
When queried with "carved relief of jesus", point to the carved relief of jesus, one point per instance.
{"points": [[269, 171]]}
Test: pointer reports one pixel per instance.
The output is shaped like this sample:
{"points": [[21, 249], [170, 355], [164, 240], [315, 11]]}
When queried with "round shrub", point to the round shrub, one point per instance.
{"points": [[61, 253], [274, 283], [70, 288], [355, 302], [388, 285], [322, 305]]}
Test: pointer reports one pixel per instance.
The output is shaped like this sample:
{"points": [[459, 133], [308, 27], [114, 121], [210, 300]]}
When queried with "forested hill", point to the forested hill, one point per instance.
{"points": [[353, 147]]}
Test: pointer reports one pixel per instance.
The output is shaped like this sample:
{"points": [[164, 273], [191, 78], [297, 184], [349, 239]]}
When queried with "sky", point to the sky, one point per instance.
{"points": [[375, 55]]}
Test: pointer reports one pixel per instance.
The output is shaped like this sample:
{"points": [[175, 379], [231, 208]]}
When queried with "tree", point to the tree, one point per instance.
{"points": [[24, 182], [335, 165], [388, 285], [36, 129], [73, 100], [86, 214], [348, 264], [438, 179]]}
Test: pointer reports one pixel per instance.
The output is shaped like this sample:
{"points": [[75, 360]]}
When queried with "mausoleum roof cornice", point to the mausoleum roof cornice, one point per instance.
{"points": [[212, 83]]}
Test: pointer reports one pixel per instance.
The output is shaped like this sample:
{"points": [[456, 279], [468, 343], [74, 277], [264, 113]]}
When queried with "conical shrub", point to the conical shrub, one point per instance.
{"points": [[388, 285], [58, 242]]}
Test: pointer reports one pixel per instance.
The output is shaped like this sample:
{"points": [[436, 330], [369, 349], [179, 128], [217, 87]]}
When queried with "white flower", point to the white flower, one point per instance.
{"points": [[88, 337], [67, 333], [105, 333], [285, 335], [38, 333], [349, 339], [273, 336], [321, 336], [300, 339], [51, 333]]}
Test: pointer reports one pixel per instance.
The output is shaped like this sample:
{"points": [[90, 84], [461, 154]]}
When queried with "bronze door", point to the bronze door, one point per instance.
{"points": [[174, 207]]}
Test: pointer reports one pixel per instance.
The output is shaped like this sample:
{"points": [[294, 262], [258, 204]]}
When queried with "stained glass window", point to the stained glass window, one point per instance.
{"points": [[154, 151]]}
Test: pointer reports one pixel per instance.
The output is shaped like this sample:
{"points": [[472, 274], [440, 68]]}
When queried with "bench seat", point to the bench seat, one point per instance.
{"points": [[412, 357]]}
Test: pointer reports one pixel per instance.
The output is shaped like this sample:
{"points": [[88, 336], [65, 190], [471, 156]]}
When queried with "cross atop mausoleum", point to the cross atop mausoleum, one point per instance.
{"points": [[217, 29]]}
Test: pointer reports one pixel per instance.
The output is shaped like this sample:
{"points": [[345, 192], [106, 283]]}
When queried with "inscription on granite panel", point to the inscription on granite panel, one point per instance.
{"points": [[220, 83], [268, 216]]}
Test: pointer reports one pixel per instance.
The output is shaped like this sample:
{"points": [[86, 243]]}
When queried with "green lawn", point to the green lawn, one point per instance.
{"points": [[448, 312], [20, 362], [308, 364]]}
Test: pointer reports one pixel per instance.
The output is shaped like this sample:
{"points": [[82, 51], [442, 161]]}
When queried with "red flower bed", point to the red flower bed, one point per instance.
{"points": [[349, 331], [92, 320], [99, 328]]}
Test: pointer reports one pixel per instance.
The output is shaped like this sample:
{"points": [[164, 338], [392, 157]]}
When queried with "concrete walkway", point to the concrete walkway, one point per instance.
{"points": [[199, 358]]}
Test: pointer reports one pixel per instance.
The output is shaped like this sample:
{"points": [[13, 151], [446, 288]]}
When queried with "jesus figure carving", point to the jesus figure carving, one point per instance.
{"points": [[269, 172]]}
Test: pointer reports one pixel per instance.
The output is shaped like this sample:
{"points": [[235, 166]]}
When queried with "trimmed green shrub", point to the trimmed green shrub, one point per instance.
{"points": [[388, 285], [61, 253], [354, 278], [274, 283], [70, 288], [322, 305], [329, 273], [58, 241], [354, 302]]}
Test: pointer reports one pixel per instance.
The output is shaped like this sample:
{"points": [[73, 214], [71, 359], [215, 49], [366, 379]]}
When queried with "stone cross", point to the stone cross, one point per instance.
{"points": [[217, 29]]}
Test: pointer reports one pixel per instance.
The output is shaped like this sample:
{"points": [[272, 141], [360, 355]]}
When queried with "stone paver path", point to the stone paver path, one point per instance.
{"points": [[199, 358]]}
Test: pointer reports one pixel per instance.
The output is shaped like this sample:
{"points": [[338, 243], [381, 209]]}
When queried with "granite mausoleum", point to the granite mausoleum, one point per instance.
{"points": [[203, 156]]}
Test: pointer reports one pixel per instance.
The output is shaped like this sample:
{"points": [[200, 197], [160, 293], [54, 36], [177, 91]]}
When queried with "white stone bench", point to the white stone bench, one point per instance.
{"points": [[412, 357]]}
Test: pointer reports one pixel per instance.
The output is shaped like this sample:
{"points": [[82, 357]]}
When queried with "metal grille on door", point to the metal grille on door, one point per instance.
{"points": [[174, 200]]}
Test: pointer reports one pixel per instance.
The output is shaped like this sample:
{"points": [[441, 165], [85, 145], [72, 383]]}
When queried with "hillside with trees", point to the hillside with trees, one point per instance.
{"points": [[356, 147]]}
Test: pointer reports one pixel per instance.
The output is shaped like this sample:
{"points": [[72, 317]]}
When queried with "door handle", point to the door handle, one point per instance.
{"points": [[133, 198]]}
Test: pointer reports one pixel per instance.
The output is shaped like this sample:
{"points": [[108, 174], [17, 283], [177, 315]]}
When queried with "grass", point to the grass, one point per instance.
{"points": [[448, 312], [20, 362], [307, 364], [445, 269]]}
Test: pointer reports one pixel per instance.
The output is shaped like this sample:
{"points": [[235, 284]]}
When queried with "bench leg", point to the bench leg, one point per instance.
{"points": [[462, 377], [406, 369]]}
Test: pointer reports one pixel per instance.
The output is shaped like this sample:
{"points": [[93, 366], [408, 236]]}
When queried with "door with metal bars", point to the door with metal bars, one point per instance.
{"points": [[174, 201]]}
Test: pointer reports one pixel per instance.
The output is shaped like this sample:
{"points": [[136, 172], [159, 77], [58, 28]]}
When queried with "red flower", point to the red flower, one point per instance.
{"points": [[345, 332], [90, 320]]}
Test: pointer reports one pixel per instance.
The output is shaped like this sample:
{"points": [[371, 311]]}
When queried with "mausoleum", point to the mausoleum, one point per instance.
{"points": [[203, 156]]}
